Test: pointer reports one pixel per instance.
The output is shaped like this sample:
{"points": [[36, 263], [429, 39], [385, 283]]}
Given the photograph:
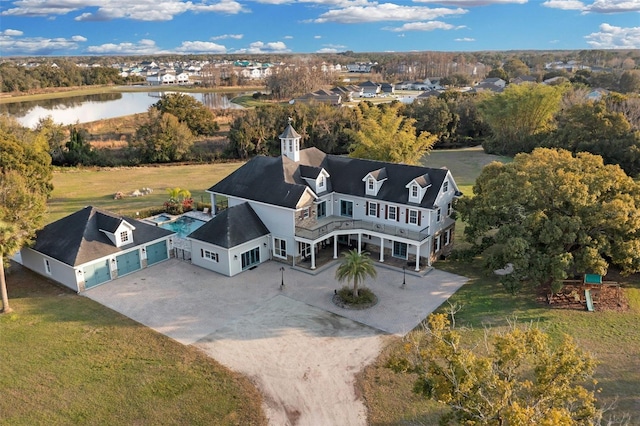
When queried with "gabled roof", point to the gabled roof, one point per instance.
{"points": [[77, 239], [232, 227], [379, 174]]}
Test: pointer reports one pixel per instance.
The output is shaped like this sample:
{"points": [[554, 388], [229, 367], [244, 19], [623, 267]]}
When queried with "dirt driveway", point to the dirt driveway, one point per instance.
{"points": [[301, 351]]}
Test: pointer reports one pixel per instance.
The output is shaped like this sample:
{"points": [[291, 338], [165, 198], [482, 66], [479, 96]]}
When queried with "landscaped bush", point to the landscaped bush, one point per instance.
{"points": [[201, 206], [365, 296]]}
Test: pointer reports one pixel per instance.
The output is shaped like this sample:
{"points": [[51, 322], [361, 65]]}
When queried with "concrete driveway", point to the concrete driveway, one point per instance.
{"points": [[300, 349]]}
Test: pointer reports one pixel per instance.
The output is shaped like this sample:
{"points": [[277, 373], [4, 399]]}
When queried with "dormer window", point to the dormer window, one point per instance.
{"points": [[124, 236], [414, 191], [321, 181], [371, 185]]}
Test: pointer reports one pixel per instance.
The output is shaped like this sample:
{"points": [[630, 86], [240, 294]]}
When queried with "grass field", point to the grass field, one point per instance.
{"points": [[67, 360], [77, 188]]}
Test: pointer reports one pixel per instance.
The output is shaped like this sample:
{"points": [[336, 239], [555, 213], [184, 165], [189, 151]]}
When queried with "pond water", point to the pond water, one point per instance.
{"points": [[86, 108]]}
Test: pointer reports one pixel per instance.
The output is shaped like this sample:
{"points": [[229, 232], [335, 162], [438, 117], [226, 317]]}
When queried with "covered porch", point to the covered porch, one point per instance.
{"points": [[391, 250]]}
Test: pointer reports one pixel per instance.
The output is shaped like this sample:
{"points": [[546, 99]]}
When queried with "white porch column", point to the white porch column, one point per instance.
{"points": [[335, 246], [381, 249], [359, 242], [313, 255], [417, 257]]}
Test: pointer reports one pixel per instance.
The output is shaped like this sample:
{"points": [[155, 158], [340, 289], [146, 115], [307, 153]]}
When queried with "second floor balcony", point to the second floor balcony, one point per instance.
{"points": [[330, 224]]}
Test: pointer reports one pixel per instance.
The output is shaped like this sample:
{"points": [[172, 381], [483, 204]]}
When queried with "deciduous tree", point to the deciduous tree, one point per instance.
{"points": [[552, 215], [517, 377], [162, 138], [198, 118], [387, 135], [518, 113], [25, 184]]}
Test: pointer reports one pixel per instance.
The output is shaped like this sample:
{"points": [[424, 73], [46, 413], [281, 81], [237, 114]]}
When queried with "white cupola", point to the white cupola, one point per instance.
{"points": [[290, 143]]}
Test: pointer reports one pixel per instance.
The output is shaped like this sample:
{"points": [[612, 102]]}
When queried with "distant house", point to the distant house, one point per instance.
{"points": [[433, 83], [428, 94], [524, 79], [91, 247], [320, 96], [182, 78], [161, 79], [496, 81], [554, 81], [486, 87], [369, 88], [388, 88]]}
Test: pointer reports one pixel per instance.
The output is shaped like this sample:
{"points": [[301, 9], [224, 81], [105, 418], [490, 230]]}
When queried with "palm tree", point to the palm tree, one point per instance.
{"points": [[178, 194], [355, 267]]}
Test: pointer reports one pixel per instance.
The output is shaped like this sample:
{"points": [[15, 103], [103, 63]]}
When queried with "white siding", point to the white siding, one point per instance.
{"points": [[60, 272]]}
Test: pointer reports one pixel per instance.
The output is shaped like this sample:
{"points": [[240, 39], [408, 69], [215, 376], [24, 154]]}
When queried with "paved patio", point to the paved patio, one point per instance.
{"points": [[187, 302]]}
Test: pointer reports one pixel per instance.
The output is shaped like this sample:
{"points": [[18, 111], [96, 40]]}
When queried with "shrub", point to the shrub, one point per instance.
{"points": [[365, 296]]}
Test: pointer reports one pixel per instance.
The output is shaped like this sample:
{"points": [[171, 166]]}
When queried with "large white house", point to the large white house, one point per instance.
{"points": [[293, 206]]}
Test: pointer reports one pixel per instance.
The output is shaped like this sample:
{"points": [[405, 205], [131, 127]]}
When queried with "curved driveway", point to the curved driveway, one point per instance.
{"points": [[300, 350]]}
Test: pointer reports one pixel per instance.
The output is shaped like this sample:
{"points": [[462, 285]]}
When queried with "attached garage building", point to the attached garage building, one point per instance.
{"points": [[91, 247]]}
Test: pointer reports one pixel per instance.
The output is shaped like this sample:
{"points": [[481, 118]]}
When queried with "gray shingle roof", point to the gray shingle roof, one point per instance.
{"points": [[76, 239], [289, 133], [278, 180], [232, 227]]}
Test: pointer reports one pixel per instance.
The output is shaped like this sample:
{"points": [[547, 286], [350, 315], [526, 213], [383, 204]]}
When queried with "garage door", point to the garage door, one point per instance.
{"points": [[157, 252], [128, 262], [96, 273]]}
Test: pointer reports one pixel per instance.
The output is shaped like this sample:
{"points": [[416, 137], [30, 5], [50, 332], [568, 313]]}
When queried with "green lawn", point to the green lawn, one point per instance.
{"points": [[76, 188], [67, 360]]}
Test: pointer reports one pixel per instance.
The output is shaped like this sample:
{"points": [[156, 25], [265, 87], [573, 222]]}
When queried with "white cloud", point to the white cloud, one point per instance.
{"points": [[78, 38], [384, 12], [597, 6], [200, 47], [471, 3], [261, 47], [564, 4], [464, 39], [140, 10], [611, 37], [11, 33], [614, 6], [288, 37], [425, 26], [143, 47], [317, 37], [39, 46], [226, 36], [327, 50]]}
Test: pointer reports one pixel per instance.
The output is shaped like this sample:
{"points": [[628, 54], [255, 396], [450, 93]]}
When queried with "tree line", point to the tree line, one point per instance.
{"points": [[16, 78]]}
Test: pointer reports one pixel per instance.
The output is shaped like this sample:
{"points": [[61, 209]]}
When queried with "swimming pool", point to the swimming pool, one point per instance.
{"points": [[161, 218], [183, 226]]}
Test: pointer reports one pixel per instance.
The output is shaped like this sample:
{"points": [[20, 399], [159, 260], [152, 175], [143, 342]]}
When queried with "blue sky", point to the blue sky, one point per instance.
{"points": [[147, 27]]}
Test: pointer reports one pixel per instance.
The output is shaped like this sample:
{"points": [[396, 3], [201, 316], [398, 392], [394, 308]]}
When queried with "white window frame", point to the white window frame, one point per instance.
{"points": [[372, 207], [438, 214], [445, 186], [210, 255], [449, 209], [436, 244], [371, 184], [447, 237], [47, 266], [318, 208], [413, 216], [124, 236], [393, 209], [321, 182], [305, 213], [280, 248], [415, 193]]}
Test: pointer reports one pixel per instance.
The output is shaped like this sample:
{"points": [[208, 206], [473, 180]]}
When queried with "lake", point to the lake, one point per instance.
{"points": [[86, 108]]}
